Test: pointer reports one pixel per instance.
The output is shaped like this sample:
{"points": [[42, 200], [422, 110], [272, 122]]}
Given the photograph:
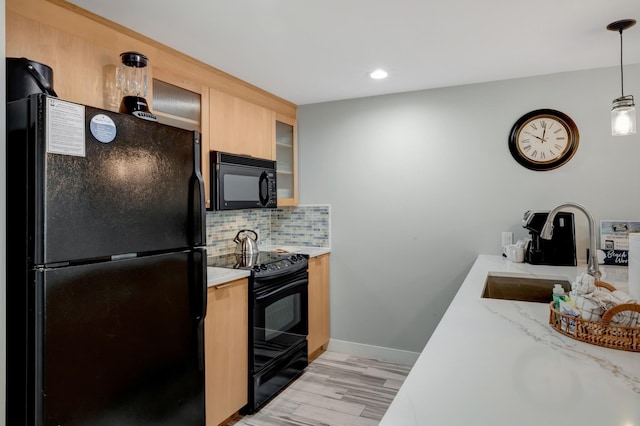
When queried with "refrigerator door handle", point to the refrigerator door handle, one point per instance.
{"points": [[198, 283], [197, 207], [202, 272]]}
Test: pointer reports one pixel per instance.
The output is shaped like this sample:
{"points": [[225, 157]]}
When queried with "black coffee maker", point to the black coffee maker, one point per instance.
{"points": [[560, 250], [26, 77]]}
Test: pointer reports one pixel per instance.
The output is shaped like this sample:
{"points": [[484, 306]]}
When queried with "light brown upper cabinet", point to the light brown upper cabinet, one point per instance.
{"points": [[240, 127], [83, 49], [287, 160]]}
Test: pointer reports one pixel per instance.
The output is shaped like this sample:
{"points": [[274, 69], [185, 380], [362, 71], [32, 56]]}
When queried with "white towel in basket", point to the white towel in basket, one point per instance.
{"points": [[611, 299], [593, 301], [584, 284], [582, 295]]}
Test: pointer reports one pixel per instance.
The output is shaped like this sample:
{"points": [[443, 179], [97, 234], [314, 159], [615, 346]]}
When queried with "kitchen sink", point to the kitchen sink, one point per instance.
{"points": [[522, 287]]}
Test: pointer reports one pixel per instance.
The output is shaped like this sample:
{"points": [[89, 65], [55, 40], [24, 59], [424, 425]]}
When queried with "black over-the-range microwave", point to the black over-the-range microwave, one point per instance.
{"points": [[242, 182]]}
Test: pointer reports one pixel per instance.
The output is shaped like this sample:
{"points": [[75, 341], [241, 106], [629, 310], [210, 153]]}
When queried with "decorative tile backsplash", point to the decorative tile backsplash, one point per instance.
{"points": [[301, 226], [304, 225], [222, 227]]}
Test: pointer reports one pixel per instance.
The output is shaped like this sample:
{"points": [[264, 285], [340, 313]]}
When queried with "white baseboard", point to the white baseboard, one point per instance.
{"points": [[374, 352]]}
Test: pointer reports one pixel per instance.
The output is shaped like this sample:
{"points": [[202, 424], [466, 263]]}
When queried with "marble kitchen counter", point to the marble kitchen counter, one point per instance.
{"points": [[216, 276], [308, 250], [498, 362]]}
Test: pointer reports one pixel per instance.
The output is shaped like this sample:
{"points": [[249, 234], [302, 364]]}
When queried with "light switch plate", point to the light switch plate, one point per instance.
{"points": [[507, 238]]}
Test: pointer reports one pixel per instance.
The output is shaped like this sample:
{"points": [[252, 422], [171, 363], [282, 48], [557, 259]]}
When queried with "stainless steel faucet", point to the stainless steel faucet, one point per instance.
{"points": [[547, 233]]}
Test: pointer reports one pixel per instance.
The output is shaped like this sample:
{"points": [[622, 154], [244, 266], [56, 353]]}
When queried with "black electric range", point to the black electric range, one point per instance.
{"points": [[278, 320], [264, 264]]}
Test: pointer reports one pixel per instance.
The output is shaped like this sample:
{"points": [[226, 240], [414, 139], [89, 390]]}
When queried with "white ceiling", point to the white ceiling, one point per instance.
{"points": [[314, 51]]}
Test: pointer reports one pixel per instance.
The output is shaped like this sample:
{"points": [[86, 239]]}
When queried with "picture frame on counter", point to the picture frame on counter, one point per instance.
{"points": [[614, 234], [613, 257]]}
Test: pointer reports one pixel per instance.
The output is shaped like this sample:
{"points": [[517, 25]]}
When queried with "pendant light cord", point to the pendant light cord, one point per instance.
{"points": [[621, 68]]}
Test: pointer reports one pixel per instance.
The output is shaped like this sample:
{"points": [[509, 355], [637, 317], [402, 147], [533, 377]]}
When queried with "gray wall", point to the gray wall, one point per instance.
{"points": [[420, 183]]}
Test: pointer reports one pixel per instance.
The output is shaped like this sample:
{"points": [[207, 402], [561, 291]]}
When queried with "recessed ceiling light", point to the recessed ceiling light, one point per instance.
{"points": [[378, 74]]}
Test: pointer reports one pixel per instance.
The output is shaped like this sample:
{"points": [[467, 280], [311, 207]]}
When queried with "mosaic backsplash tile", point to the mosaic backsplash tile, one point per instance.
{"points": [[301, 226], [305, 225], [222, 227]]}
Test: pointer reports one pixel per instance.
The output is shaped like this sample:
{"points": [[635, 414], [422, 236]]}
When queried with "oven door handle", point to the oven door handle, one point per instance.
{"points": [[264, 294]]}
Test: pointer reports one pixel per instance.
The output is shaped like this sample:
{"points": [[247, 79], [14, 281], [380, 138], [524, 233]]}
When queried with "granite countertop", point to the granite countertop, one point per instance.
{"points": [[217, 276], [499, 362]]}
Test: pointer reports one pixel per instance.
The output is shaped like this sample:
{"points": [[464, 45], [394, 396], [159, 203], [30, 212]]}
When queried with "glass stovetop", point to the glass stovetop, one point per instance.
{"points": [[232, 260]]}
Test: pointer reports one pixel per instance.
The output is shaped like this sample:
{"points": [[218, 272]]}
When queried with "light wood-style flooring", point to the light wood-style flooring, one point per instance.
{"points": [[335, 389]]}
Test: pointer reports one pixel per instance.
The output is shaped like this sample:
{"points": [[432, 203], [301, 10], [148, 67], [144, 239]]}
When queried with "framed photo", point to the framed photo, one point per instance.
{"points": [[614, 234], [614, 241]]}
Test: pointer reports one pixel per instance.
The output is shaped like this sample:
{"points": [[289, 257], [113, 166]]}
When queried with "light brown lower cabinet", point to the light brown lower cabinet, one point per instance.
{"points": [[226, 350], [318, 303]]}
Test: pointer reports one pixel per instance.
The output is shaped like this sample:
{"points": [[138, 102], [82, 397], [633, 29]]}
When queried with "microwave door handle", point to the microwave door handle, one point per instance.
{"points": [[263, 187]]}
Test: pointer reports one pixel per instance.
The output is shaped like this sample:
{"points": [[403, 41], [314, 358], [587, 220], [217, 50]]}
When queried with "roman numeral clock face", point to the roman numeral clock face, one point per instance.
{"points": [[543, 139]]}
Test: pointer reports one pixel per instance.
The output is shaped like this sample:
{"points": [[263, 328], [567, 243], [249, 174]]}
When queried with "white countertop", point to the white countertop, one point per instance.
{"points": [[308, 250], [217, 276], [498, 362]]}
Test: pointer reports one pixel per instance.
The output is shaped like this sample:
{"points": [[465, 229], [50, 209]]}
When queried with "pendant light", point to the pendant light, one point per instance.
{"points": [[623, 112]]}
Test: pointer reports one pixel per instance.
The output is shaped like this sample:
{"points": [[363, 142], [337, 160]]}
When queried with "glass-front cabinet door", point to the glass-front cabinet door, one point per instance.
{"points": [[182, 103], [176, 106], [287, 160]]}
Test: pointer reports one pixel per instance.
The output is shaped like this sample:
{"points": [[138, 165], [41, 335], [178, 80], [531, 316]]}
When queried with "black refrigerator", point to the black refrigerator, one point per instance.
{"points": [[106, 268]]}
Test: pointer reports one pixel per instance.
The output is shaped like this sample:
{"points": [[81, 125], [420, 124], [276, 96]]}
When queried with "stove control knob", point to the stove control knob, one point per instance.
{"points": [[293, 258], [263, 267], [256, 268]]}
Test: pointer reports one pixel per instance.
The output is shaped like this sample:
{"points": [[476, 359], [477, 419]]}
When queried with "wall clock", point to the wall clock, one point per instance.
{"points": [[543, 139]]}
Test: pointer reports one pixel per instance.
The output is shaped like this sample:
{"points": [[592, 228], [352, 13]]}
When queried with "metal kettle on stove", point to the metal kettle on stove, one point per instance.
{"points": [[245, 244]]}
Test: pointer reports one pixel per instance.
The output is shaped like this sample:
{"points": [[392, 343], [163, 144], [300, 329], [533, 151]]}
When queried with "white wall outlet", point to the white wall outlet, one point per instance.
{"points": [[507, 238]]}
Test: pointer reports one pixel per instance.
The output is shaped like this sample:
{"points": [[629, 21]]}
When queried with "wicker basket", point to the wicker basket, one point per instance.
{"points": [[601, 333]]}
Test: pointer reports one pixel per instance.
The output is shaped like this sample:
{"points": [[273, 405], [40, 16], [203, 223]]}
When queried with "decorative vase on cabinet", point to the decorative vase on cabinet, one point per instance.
{"points": [[286, 157]]}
